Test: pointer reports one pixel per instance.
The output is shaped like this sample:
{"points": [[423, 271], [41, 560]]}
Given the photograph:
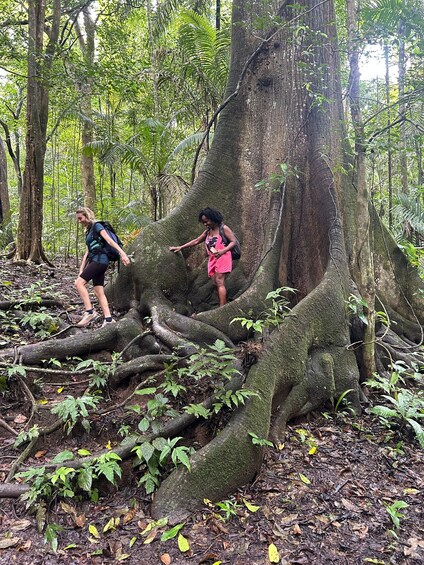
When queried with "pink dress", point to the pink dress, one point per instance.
{"points": [[223, 264]]}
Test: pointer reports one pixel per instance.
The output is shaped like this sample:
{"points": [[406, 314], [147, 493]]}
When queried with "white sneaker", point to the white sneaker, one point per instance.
{"points": [[86, 319], [106, 323]]}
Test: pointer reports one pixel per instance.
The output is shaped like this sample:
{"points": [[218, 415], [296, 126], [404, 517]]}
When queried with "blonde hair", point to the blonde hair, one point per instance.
{"points": [[88, 213]]}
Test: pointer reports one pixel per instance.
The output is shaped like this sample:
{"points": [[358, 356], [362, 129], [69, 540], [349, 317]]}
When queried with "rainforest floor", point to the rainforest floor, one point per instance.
{"points": [[340, 489]]}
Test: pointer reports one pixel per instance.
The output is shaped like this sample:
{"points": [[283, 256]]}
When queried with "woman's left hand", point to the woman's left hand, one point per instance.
{"points": [[219, 253]]}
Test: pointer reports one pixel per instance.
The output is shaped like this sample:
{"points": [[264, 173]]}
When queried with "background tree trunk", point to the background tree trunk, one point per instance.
{"points": [[29, 246], [362, 264], [86, 41], [4, 190]]}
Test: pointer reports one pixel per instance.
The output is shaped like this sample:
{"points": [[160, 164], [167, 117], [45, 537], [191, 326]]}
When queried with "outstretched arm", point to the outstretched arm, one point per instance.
{"points": [[191, 243]]}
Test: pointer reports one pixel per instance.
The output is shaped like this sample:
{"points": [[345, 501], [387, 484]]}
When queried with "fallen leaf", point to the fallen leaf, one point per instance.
{"points": [[68, 508], [40, 453], [304, 479], [20, 419], [166, 559], [250, 507], [349, 506], [410, 491], [296, 530], [94, 531], [9, 542], [129, 516], [19, 525], [80, 520], [273, 555], [183, 544], [152, 535]]}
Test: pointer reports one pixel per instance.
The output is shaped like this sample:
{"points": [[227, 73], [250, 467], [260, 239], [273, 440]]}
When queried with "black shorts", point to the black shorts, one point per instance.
{"points": [[95, 272]]}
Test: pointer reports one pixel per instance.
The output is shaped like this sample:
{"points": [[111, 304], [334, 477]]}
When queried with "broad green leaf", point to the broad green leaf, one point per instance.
{"points": [[63, 456], [143, 391], [85, 479], [169, 534]]}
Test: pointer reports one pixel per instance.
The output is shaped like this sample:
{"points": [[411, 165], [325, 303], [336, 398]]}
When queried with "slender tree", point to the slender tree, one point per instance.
{"points": [[4, 188], [362, 263], [40, 60], [86, 38]]}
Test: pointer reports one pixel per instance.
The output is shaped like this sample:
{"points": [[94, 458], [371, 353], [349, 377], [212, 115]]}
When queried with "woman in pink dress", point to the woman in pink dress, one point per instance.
{"points": [[219, 253]]}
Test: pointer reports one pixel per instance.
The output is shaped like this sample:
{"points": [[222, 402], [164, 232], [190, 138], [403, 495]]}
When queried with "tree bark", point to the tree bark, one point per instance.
{"points": [[29, 245], [4, 188], [362, 264], [86, 41]]}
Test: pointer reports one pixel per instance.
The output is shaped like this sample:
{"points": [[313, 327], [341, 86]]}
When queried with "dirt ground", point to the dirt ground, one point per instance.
{"points": [[325, 496]]}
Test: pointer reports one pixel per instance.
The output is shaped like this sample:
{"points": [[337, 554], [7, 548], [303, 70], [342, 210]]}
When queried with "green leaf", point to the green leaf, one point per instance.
{"points": [[85, 479], [169, 534], [143, 391], [63, 456], [147, 450]]}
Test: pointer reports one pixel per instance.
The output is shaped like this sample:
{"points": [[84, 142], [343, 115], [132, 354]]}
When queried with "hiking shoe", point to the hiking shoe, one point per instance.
{"points": [[106, 323], [86, 319]]}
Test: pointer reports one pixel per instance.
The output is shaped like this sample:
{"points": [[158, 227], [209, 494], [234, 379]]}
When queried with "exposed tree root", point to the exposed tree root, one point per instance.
{"points": [[113, 337], [46, 302], [12, 490], [138, 366]]}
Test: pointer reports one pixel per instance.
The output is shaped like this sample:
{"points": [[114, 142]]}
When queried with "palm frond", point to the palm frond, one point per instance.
{"points": [[409, 210], [187, 143], [206, 51]]}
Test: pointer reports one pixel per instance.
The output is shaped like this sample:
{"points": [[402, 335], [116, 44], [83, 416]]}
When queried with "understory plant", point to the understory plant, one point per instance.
{"points": [[403, 407], [273, 315], [215, 366]]}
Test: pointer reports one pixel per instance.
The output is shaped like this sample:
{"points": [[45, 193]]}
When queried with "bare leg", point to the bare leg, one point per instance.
{"points": [[101, 297], [219, 281], [81, 286]]}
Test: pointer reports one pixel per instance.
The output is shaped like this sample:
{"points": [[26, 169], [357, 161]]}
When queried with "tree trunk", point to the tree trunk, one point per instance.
{"points": [[402, 107], [29, 246], [389, 135], [4, 194], [87, 45], [362, 264]]}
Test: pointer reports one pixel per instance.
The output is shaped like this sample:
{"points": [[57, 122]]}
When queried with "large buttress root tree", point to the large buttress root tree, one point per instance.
{"points": [[283, 114]]}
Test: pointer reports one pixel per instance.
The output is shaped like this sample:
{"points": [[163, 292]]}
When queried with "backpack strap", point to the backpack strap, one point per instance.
{"points": [[224, 238]]}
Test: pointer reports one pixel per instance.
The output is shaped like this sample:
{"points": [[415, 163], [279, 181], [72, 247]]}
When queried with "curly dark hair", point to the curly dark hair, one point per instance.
{"points": [[212, 214]]}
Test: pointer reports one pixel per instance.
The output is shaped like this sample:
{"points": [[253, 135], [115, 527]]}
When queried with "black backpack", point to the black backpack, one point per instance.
{"points": [[236, 250], [110, 251]]}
